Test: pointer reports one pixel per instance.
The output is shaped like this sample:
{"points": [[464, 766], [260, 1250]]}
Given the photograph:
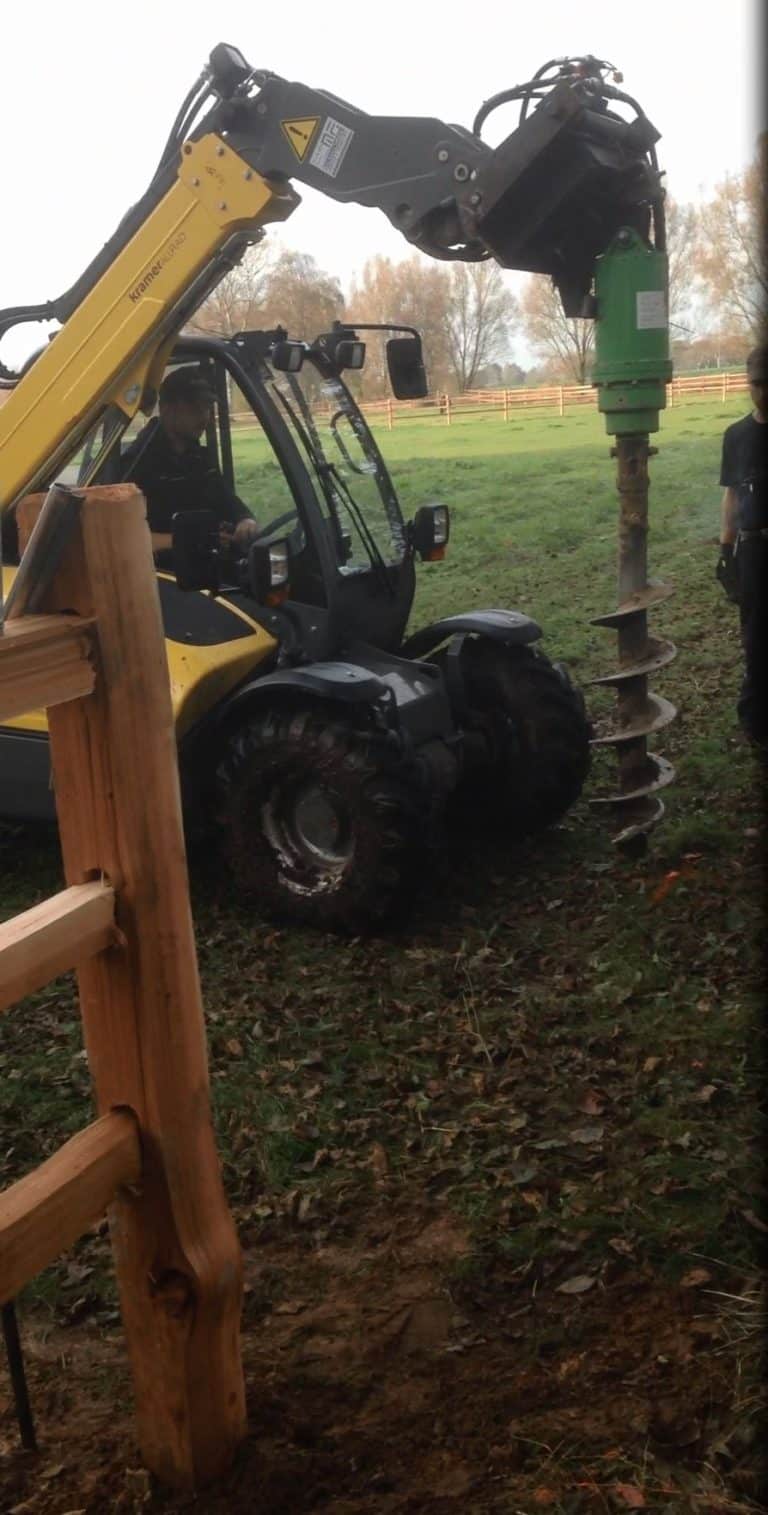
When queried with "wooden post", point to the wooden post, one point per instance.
{"points": [[506, 404], [724, 386], [561, 401], [448, 409], [117, 792], [389, 413]]}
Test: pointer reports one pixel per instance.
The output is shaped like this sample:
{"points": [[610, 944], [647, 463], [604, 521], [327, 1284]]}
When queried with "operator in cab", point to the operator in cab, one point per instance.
{"points": [[175, 472]]}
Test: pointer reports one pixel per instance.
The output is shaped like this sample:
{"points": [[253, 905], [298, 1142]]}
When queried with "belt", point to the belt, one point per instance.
{"points": [[759, 531]]}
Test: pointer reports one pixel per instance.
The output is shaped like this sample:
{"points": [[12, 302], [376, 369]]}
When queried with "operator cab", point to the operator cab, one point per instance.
{"points": [[291, 442]]}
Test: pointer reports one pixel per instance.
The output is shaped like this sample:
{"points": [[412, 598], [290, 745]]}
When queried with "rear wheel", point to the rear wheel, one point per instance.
{"points": [[318, 824], [537, 732]]}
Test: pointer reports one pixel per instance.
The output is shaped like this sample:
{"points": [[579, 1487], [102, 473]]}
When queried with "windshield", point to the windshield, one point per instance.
{"points": [[351, 482]]}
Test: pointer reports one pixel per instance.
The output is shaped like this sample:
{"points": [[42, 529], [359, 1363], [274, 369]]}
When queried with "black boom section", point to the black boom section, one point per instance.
{"points": [[548, 199]]}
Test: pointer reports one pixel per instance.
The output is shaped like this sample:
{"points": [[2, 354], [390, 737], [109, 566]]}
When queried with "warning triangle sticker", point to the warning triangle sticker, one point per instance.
{"points": [[300, 133]]}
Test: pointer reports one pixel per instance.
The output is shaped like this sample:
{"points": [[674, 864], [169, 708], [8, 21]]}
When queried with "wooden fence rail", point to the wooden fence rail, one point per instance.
{"points": [[445, 408], [95, 657]]}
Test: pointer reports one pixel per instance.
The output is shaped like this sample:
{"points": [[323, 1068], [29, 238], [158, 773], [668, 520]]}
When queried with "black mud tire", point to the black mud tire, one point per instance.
{"points": [[538, 733], [289, 774]]}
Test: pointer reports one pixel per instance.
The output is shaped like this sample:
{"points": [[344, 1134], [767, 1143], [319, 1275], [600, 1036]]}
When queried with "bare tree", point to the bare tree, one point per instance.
{"points": [[564, 343], [482, 314], [411, 291], [237, 303], [682, 243], [730, 258]]}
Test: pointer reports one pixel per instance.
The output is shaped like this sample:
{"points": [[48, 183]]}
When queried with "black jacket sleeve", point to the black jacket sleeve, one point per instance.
{"points": [[729, 462], [225, 502]]}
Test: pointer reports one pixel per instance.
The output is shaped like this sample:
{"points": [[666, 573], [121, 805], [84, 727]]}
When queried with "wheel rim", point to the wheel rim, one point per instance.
{"points": [[309, 828]]}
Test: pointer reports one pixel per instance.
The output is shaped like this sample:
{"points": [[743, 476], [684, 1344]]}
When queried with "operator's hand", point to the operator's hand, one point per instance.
{"points": [[244, 534], [726, 571]]}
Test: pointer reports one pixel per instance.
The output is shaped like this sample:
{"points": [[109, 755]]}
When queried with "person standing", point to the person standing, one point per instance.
{"points": [[743, 551]]}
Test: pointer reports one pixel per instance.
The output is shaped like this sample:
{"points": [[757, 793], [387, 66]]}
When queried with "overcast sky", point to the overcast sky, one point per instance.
{"points": [[89, 91]]}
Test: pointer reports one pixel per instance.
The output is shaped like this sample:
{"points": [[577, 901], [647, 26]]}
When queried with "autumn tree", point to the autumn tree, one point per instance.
{"points": [[482, 313], [413, 292], [301, 296], [564, 343], [730, 257]]}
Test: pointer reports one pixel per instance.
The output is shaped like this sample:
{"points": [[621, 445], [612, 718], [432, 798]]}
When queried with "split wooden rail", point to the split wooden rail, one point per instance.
{"points": [[95, 658]]}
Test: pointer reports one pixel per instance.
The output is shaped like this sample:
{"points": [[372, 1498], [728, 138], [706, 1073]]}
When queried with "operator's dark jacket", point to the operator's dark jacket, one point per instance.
{"points": [[743, 470], [173, 481]]}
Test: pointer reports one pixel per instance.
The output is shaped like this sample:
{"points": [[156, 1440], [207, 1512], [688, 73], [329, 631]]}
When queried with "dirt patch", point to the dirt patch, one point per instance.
{"points": [[399, 1373]]}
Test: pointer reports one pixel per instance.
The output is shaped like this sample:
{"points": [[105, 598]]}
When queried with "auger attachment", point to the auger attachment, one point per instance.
{"points": [[631, 373]]}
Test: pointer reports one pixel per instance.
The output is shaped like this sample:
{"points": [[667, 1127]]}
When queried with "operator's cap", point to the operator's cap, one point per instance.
{"points": [[757, 364], [186, 384]]}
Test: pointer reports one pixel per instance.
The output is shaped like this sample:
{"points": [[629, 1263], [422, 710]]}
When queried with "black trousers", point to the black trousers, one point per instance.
{"points": [[752, 560]]}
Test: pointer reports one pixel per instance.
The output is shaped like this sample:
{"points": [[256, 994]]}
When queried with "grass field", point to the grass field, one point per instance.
{"points": [[537, 1110]]}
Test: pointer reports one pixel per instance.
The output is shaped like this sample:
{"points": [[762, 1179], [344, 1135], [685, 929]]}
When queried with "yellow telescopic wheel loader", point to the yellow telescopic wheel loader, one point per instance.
{"points": [[320, 744]]}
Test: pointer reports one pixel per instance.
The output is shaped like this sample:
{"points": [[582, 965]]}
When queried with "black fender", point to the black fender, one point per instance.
{"points": [[344, 682], [508, 626]]}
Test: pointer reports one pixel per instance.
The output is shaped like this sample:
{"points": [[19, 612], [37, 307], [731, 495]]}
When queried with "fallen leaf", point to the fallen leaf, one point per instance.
{"points": [[544, 1496], [704, 1094], [591, 1103], [379, 1160], [630, 1495], [618, 1244], [533, 1198], [651, 1064], [578, 1285], [521, 1173], [234, 1047], [587, 1134], [662, 890], [754, 1220], [695, 1278]]}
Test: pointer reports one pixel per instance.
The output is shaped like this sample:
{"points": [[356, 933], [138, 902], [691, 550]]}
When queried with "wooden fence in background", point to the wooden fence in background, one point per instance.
{"points": [[558, 398], [555, 399]]}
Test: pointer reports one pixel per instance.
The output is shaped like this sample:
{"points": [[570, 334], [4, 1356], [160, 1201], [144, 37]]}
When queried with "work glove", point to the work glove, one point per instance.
{"points": [[727, 573]]}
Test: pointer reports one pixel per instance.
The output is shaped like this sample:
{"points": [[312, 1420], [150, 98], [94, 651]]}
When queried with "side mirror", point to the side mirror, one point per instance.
{"points": [[406, 368], [195, 549], [430, 530], [287, 357], [268, 570], [349, 355]]}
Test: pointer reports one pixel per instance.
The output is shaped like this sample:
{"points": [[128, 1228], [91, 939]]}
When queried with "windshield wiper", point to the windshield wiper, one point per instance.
{"points": [[369, 540], [329, 477]]}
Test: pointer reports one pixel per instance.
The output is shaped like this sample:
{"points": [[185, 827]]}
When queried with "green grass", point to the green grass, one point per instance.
{"points": [[533, 981]]}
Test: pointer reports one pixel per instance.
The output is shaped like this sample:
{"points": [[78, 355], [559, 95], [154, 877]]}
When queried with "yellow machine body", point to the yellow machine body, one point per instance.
{"points": [[108, 352], [201, 674]]}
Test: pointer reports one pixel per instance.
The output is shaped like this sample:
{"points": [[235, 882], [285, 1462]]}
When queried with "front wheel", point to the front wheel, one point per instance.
{"points": [[319, 826], [537, 734]]}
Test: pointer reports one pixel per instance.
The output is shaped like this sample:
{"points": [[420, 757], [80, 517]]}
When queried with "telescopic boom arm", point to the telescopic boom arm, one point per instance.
{"points": [[549, 199]]}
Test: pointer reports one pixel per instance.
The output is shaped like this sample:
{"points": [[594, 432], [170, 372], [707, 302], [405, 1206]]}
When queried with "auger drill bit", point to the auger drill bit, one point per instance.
{"points": [[631, 372]]}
